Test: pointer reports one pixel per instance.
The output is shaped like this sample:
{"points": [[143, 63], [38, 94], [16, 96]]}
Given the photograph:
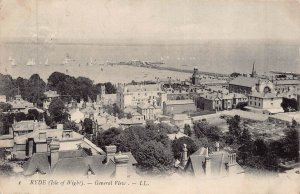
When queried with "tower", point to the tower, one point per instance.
{"points": [[253, 70]]}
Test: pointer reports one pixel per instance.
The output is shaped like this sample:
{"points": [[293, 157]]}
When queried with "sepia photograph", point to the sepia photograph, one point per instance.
{"points": [[149, 96]]}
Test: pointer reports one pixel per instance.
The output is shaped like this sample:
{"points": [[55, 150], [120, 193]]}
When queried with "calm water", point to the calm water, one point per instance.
{"points": [[216, 57]]}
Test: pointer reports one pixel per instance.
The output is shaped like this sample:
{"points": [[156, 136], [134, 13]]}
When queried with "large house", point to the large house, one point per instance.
{"points": [[178, 107], [132, 95], [49, 96], [218, 163], [80, 163], [18, 104], [36, 141], [219, 101], [243, 85], [265, 99]]}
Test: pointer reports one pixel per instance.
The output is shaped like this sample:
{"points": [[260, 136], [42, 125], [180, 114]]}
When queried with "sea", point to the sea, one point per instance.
{"points": [[93, 59]]}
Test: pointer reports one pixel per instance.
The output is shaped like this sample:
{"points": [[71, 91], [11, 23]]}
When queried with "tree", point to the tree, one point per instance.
{"points": [[33, 114], [6, 170], [235, 74], [5, 107], [234, 126], [289, 104], [260, 147], [291, 143], [154, 157], [34, 89], [20, 116], [110, 88], [203, 129], [200, 129], [187, 130], [88, 125], [71, 125], [129, 116], [57, 110], [108, 137], [241, 105], [177, 146]]}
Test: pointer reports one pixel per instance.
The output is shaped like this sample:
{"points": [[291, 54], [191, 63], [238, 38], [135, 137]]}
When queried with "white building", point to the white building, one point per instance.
{"points": [[133, 95], [265, 99]]}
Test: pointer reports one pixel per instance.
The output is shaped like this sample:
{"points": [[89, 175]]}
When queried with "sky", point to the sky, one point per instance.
{"points": [[148, 21]]}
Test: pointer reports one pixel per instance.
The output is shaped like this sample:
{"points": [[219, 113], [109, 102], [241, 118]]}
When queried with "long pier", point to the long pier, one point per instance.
{"points": [[152, 66]]}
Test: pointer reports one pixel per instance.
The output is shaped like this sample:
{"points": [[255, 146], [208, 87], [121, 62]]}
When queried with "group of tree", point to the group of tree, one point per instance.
{"points": [[149, 144], [289, 105], [31, 89], [258, 153], [69, 87], [77, 88], [8, 118], [114, 110]]}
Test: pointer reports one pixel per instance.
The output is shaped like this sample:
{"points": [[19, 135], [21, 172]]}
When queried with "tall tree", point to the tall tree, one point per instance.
{"points": [[57, 110], [177, 146]]}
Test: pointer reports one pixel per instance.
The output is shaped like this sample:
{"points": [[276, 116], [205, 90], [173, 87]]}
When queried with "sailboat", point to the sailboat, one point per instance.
{"points": [[12, 61], [66, 60], [91, 63], [46, 62], [30, 62]]}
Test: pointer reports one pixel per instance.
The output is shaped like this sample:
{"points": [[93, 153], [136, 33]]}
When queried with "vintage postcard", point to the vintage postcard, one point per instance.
{"points": [[139, 96]]}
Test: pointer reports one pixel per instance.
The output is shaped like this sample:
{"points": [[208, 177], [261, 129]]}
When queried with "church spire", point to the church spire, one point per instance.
{"points": [[253, 70]]}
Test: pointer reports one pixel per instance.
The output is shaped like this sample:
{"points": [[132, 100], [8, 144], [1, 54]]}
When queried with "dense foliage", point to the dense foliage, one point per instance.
{"points": [[31, 89], [177, 146], [77, 88], [149, 144], [289, 105]]}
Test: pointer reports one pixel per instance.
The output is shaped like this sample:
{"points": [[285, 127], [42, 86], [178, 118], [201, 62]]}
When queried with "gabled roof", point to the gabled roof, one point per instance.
{"points": [[39, 162], [218, 160], [74, 162], [244, 81]]}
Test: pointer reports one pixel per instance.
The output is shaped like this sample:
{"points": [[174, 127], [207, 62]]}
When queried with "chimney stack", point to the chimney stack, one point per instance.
{"points": [[231, 164], [217, 146], [207, 163], [185, 155], [54, 154], [121, 162], [110, 152]]}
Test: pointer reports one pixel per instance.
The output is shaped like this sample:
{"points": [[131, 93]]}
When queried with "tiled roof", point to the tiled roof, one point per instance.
{"points": [[244, 81], [141, 88], [218, 162], [180, 117], [174, 102], [73, 163], [38, 162], [287, 82], [6, 143], [28, 125], [263, 95]]}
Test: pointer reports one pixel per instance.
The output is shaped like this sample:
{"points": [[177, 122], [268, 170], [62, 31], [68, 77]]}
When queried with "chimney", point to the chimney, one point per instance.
{"points": [[231, 163], [110, 152], [54, 154], [60, 126], [42, 135], [121, 162], [207, 163], [217, 146], [185, 155]]}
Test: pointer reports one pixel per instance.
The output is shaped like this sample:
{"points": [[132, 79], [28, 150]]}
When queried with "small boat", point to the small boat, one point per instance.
{"points": [[12, 61], [46, 62], [66, 60], [30, 62]]}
